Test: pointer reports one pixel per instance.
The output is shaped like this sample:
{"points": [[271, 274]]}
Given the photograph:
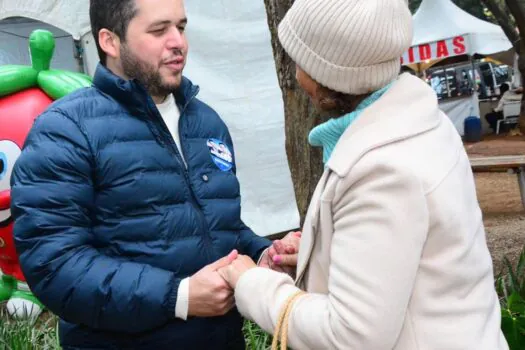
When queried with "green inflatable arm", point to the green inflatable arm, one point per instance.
{"points": [[55, 83]]}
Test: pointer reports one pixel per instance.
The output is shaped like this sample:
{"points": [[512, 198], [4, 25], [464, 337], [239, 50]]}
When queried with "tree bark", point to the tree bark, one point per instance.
{"points": [[517, 9], [300, 116], [505, 21]]}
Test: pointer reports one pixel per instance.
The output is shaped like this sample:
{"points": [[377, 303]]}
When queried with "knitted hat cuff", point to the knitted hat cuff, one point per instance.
{"points": [[349, 80]]}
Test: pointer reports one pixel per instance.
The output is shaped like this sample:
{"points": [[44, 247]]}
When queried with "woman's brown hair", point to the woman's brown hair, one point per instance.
{"points": [[335, 104]]}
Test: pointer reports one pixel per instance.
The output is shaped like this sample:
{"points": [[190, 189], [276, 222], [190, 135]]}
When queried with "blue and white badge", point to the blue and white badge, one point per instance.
{"points": [[220, 153]]}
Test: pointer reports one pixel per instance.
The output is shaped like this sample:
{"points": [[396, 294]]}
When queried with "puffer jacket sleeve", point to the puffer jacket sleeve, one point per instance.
{"points": [[249, 243], [53, 196]]}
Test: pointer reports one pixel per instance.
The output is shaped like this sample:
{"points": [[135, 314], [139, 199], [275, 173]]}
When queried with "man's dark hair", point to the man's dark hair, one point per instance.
{"points": [[113, 15]]}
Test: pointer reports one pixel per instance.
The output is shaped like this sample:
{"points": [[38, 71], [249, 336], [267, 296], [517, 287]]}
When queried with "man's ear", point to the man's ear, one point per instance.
{"points": [[109, 42]]}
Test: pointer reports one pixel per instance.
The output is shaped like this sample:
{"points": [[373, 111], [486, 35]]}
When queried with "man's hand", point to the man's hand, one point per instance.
{"points": [[210, 295], [236, 269], [281, 256]]}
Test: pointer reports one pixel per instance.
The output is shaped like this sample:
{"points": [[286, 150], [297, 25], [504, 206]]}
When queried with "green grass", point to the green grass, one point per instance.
{"points": [[18, 335], [256, 338], [510, 286]]}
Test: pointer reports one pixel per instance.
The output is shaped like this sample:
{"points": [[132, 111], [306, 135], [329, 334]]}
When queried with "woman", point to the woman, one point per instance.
{"points": [[393, 252]]}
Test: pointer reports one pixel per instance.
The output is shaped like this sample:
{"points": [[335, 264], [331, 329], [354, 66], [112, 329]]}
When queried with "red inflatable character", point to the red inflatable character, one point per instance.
{"points": [[25, 92], [17, 113]]}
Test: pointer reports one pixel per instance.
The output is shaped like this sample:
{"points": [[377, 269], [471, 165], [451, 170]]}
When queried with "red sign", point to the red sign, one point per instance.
{"points": [[436, 50]]}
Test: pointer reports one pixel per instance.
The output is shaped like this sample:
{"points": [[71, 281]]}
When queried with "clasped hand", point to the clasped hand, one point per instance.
{"points": [[281, 256], [211, 289]]}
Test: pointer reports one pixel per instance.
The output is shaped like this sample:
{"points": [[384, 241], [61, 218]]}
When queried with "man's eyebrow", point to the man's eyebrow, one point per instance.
{"points": [[159, 23], [183, 21]]}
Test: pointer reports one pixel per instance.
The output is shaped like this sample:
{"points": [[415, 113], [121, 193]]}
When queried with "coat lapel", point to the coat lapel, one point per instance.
{"points": [[310, 227], [402, 112]]}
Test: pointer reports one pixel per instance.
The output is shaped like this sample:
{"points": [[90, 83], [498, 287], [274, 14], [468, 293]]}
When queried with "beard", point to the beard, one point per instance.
{"points": [[147, 74]]}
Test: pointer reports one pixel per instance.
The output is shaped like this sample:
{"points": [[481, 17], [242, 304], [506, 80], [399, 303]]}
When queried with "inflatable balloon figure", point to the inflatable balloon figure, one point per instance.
{"points": [[25, 92]]}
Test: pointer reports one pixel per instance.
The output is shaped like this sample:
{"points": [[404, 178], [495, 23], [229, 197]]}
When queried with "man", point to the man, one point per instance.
{"points": [[507, 96], [123, 207]]}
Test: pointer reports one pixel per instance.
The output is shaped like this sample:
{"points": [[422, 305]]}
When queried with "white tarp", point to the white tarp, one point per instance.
{"points": [[459, 109], [440, 20], [231, 60], [71, 16], [14, 39]]}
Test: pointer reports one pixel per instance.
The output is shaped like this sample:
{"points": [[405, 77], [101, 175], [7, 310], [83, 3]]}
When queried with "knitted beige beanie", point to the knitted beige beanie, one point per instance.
{"points": [[350, 46]]}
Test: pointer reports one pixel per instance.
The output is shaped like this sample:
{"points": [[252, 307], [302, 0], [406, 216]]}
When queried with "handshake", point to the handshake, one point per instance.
{"points": [[211, 290]]}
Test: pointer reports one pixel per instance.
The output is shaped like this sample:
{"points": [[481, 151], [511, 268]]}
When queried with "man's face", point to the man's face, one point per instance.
{"points": [[156, 48]]}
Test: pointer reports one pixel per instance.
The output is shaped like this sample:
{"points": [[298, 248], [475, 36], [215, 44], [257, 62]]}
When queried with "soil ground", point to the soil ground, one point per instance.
{"points": [[499, 198]]}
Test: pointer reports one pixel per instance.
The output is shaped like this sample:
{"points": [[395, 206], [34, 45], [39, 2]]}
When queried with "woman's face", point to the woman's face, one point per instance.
{"points": [[327, 102], [306, 83]]}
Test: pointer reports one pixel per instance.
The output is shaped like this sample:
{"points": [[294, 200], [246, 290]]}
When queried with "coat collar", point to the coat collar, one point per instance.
{"points": [[408, 108], [132, 94]]}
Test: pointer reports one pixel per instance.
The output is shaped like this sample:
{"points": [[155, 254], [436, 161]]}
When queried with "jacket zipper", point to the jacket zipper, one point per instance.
{"points": [[193, 198]]}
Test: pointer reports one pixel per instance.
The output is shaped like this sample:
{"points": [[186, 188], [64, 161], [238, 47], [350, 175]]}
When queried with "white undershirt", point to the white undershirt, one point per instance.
{"points": [[170, 114]]}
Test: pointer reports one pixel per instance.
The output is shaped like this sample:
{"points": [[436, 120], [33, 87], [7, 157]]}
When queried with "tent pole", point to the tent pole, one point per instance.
{"points": [[474, 83], [446, 81], [78, 54], [419, 73]]}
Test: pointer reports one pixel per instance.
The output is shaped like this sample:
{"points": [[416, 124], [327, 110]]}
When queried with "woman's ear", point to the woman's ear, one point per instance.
{"points": [[306, 82]]}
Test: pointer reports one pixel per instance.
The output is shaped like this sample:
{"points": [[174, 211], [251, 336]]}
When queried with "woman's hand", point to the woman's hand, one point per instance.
{"points": [[281, 256], [236, 269], [283, 253]]}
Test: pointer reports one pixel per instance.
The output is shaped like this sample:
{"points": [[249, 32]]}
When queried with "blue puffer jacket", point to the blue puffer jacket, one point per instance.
{"points": [[108, 220]]}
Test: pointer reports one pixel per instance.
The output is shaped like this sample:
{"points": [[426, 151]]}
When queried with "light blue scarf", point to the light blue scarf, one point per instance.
{"points": [[327, 134]]}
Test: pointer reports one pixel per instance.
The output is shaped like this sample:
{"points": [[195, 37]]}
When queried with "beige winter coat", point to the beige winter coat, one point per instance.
{"points": [[393, 254]]}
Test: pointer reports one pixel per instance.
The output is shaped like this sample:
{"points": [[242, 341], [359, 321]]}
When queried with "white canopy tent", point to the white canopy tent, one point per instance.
{"points": [[59, 17], [70, 16], [243, 88], [14, 36]]}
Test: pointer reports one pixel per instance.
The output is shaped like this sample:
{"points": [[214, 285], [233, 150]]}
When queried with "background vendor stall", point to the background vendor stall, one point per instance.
{"points": [[443, 34]]}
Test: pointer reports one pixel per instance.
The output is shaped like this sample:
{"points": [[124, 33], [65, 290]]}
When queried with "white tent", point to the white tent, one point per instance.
{"points": [[70, 16], [231, 60], [442, 29], [14, 36]]}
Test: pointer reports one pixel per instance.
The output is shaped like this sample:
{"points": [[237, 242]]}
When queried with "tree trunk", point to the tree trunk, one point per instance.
{"points": [[300, 117], [517, 10], [505, 21]]}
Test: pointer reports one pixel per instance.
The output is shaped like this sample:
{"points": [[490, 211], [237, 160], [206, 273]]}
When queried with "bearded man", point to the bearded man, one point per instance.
{"points": [[125, 197]]}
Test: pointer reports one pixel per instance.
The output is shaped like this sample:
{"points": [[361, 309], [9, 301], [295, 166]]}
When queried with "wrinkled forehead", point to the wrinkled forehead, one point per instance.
{"points": [[150, 12]]}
